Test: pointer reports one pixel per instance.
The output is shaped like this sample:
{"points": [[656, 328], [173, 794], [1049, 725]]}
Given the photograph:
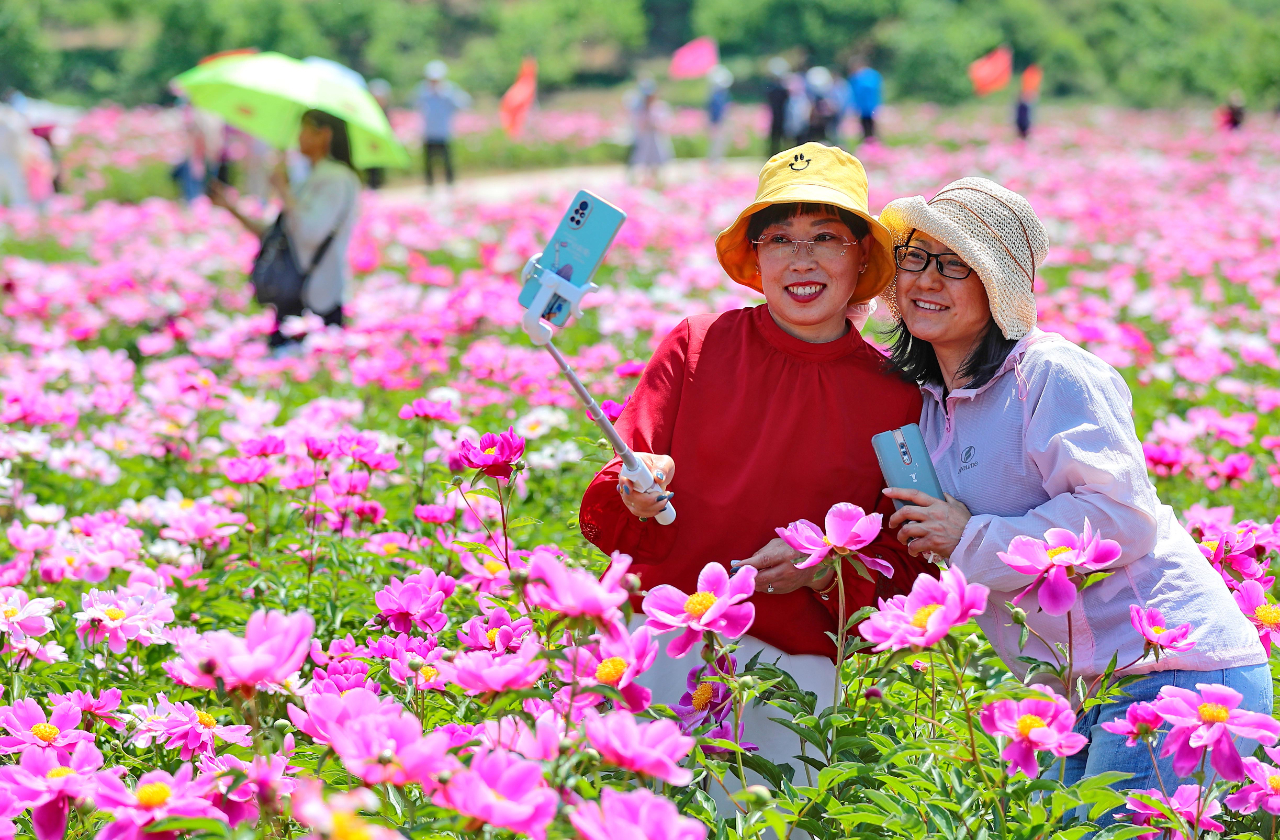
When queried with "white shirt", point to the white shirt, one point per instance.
{"points": [[327, 201]]}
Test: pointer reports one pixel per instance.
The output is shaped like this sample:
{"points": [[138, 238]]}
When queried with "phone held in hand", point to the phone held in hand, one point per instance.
{"points": [[575, 250], [905, 462]]}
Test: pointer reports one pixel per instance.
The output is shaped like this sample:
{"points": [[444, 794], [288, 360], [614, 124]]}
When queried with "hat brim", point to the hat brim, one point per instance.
{"points": [[738, 258]]}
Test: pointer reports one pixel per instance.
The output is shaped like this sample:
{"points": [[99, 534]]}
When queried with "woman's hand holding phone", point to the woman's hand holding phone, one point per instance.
{"points": [[650, 504], [930, 525]]}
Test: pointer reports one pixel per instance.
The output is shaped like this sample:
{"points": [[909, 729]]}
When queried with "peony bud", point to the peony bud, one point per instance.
{"points": [[415, 663], [1018, 615], [873, 695]]}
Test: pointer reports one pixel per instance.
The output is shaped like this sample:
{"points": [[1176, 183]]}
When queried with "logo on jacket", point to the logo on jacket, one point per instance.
{"points": [[799, 163], [968, 459], [967, 455]]}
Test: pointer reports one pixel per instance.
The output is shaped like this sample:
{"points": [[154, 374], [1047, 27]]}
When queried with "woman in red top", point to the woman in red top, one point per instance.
{"points": [[762, 416]]}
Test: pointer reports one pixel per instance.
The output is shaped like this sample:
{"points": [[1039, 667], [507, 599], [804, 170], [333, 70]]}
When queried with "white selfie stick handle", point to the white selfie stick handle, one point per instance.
{"points": [[643, 481]]}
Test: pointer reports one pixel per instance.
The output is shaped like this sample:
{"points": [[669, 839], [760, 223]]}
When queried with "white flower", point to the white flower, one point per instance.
{"points": [[540, 421], [44, 514], [554, 455], [445, 394]]}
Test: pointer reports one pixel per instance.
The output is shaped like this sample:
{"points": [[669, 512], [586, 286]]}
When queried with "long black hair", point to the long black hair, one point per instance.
{"points": [[340, 146], [916, 360]]}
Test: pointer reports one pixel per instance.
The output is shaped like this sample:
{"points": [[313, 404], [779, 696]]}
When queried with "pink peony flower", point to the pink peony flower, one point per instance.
{"points": [[158, 796], [650, 749], [1054, 564], [28, 727], [246, 470], [848, 529], [337, 816], [192, 731], [50, 787], [119, 618], [541, 743], [273, 648], [435, 514], [495, 631], [390, 749], [100, 707], [1141, 722], [577, 592], [416, 602], [1185, 802], [22, 617], [327, 714], [1251, 597], [716, 607], [927, 614], [1037, 723], [634, 815], [1263, 792], [503, 790], [1150, 624], [428, 410], [483, 671], [495, 454], [1209, 720]]}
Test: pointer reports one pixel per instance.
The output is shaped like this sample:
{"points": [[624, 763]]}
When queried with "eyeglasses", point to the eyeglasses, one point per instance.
{"points": [[911, 258], [824, 246]]}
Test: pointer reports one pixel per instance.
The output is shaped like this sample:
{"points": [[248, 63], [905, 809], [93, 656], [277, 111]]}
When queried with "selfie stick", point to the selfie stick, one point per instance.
{"points": [[552, 284]]}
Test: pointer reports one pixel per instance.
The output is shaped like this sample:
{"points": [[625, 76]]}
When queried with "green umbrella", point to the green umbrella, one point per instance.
{"points": [[267, 93]]}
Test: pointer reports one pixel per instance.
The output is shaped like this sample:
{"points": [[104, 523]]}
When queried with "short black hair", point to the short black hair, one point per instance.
{"points": [[916, 360], [775, 213], [340, 146]]}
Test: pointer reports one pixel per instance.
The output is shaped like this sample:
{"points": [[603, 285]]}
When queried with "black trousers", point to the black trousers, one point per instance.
{"points": [[331, 318], [868, 127], [431, 150]]}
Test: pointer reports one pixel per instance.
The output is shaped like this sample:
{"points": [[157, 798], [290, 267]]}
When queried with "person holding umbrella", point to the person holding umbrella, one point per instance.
{"points": [[318, 218]]}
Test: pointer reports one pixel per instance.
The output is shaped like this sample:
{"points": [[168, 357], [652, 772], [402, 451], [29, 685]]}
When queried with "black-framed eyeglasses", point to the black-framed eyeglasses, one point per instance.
{"points": [[824, 246], [914, 258]]}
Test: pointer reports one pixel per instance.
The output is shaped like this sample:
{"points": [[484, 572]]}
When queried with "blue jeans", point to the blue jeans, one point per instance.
{"points": [[1106, 751]]}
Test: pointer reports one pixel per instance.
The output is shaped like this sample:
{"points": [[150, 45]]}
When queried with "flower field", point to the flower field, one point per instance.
{"points": [[342, 594]]}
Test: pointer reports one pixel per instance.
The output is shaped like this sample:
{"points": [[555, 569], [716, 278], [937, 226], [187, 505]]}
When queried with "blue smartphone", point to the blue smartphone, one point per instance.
{"points": [[575, 250], [905, 462]]}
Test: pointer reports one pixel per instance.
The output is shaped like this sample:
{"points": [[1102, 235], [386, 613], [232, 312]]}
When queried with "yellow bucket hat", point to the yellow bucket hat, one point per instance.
{"points": [[810, 174]]}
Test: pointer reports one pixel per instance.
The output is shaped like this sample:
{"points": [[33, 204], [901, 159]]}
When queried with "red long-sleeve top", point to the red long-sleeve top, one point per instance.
{"points": [[765, 429]]}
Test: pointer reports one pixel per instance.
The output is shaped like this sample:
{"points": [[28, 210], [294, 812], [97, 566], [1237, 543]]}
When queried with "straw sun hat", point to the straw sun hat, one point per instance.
{"points": [[812, 174], [993, 229]]}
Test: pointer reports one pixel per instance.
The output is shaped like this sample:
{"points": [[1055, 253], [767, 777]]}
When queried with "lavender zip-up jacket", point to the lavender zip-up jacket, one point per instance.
{"points": [[1047, 443]]}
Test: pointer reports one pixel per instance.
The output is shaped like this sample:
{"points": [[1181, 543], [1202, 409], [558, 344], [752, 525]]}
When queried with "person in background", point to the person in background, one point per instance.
{"points": [[721, 80], [798, 106], [866, 85], [824, 111], [14, 134], [325, 204], [1022, 116], [438, 101], [1232, 114], [649, 127], [776, 95], [380, 89]]}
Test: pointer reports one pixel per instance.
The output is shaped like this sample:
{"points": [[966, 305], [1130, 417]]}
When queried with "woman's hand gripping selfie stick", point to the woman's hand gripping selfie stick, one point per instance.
{"points": [[633, 469]]}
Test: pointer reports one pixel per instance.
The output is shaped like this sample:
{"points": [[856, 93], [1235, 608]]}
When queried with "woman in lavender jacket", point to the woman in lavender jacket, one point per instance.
{"points": [[1029, 432]]}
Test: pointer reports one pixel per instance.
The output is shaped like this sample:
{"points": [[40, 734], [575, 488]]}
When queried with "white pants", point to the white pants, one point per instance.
{"points": [[667, 679]]}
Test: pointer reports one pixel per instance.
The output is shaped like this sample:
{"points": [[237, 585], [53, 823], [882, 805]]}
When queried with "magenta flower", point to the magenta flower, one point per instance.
{"points": [[848, 529], [1263, 792], [504, 790], [1185, 802], [1037, 723], [1251, 597], [645, 815], [50, 787], [1150, 624], [193, 732], [158, 796], [416, 602], [1055, 563], [337, 815], [435, 514], [1141, 722], [428, 410], [273, 648], [716, 607], [650, 749], [28, 727], [927, 614], [122, 617], [100, 707], [22, 617], [1209, 720], [390, 749], [616, 660], [262, 447], [704, 699], [495, 454], [576, 592], [327, 714], [246, 470], [495, 631], [483, 671]]}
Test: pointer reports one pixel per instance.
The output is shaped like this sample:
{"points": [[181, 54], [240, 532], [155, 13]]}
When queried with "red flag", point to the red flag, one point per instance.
{"points": [[516, 102], [1031, 78], [694, 59], [992, 72]]}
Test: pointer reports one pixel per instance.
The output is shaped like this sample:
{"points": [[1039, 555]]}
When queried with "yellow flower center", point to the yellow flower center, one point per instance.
{"points": [[187, 504], [611, 670], [921, 619], [1268, 614], [1274, 784], [702, 696], [10, 612], [349, 827], [698, 603], [491, 635], [153, 795], [493, 567], [113, 613], [206, 720], [1156, 631], [1212, 545], [62, 772], [389, 548], [1056, 550], [1213, 713], [1029, 723], [489, 451], [46, 732], [429, 673]]}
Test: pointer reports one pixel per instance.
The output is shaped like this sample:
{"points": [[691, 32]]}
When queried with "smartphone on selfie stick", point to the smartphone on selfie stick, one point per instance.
{"points": [[554, 283]]}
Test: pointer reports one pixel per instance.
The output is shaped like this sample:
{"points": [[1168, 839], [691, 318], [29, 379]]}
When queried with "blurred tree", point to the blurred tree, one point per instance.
{"points": [[26, 61], [670, 24], [829, 30], [388, 38]]}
